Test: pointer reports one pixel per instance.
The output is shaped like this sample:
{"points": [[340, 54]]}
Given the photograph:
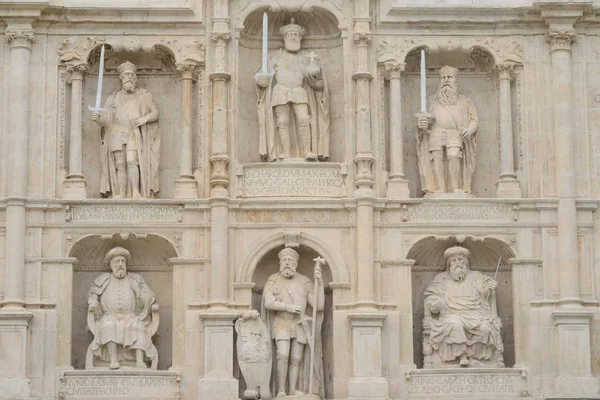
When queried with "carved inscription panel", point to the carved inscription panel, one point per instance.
{"points": [[454, 212], [292, 180], [160, 385], [124, 212]]}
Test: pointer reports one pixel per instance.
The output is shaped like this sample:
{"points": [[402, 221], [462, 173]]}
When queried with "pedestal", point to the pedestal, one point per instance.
{"points": [[218, 382], [185, 188], [397, 188], [74, 189], [14, 346], [367, 381], [508, 188], [574, 362]]}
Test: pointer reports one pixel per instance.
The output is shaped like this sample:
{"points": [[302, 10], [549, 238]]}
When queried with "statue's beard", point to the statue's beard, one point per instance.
{"points": [[292, 45], [129, 86], [288, 273], [447, 95], [458, 273], [120, 272]]}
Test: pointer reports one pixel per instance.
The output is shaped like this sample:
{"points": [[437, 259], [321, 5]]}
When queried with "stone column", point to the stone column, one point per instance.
{"points": [[508, 185], [397, 184], [20, 39], [571, 319], [14, 319], [185, 186]]}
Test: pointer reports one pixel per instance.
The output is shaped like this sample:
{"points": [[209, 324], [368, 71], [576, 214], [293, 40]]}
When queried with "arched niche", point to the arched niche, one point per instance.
{"points": [[478, 82], [323, 37], [149, 257], [486, 253], [268, 265], [157, 72]]}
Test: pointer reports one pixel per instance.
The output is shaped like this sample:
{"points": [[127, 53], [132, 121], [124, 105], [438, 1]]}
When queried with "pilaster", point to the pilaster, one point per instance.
{"points": [[14, 345]]}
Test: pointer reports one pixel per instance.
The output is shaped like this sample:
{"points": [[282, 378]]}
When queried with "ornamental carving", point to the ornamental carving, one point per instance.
{"points": [[23, 37], [561, 40]]}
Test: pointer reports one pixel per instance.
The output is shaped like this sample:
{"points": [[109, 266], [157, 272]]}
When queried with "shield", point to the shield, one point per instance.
{"points": [[254, 355]]}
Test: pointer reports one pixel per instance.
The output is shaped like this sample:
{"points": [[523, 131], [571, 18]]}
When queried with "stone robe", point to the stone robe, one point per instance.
{"points": [[124, 315], [119, 131], [466, 318], [462, 115], [288, 85], [298, 290]]}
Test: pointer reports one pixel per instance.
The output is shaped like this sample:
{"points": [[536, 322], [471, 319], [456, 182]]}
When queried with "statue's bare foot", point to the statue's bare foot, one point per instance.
{"points": [[464, 361], [283, 156], [281, 395], [311, 157], [114, 365]]}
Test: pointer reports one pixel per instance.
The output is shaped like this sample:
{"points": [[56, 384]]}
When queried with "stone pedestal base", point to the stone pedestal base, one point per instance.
{"points": [[217, 389], [74, 189], [508, 188], [397, 188], [185, 188], [14, 326], [121, 384], [368, 388], [577, 387]]}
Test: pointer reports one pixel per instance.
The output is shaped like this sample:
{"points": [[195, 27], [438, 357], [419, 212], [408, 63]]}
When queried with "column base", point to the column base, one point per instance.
{"points": [[74, 189], [397, 188], [368, 388], [14, 347], [218, 389], [508, 188], [185, 188]]}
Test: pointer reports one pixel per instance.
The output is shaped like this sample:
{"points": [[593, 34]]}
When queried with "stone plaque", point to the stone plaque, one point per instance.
{"points": [[292, 180], [122, 384], [458, 212], [467, 383], [124, 212]]}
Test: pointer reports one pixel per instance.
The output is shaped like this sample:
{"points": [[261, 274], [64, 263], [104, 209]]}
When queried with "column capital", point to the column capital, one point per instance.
{"points": [[19, 36], [187, 70], [504, 71], [394, 69], [77, 69], [362, 39], [220, 37], [561, 39]]}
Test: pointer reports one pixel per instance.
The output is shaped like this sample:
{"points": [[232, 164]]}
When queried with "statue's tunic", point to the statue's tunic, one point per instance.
{"points": [[465, 316], [118, 321], [289, 80]]}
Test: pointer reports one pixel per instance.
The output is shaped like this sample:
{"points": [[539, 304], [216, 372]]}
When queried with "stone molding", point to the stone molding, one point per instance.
{"points": [[503, 50], [561, 39]]}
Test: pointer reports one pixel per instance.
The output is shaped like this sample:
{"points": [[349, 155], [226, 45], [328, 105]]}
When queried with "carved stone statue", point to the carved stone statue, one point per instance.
{"points": [[122, 316], [446, 143], [461, 326], [286, 301], [130, 140], [293, 103], [254, 354]]}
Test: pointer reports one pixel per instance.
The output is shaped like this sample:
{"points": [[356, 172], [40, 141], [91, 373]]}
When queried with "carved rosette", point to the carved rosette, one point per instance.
{"points": [[504, 71], [561, 39], [364, 172], [219, 178], [17, 37], [394, 69]]}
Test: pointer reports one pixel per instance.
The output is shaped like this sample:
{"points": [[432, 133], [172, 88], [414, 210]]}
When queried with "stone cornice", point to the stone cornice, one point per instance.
{"points": [[22, 8]]}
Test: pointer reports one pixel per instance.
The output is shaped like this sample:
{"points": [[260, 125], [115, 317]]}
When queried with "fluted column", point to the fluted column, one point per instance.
{"points": [[508, 185], [397, 184], [572, 321], [75, 184], [20, 39], [185, 186]]}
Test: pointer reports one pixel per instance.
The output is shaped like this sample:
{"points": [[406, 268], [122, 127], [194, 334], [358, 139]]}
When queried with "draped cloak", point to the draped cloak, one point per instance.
{"points": [[147, 139]]}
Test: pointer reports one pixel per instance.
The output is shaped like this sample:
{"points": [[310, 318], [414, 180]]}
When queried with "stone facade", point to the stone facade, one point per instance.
{"points": [[207, 243]]}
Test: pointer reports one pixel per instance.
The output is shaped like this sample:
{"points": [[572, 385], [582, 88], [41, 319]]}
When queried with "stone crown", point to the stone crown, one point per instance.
{"points": [[292, 27]]}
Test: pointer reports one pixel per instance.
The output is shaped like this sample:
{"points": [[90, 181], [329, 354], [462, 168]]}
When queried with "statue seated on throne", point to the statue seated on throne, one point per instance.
{"points": [[461, 326], [122, 316]]}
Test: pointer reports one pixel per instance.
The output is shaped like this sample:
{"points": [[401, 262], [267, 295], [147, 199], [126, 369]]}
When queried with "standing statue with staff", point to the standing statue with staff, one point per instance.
{"points": [[288, 297]]}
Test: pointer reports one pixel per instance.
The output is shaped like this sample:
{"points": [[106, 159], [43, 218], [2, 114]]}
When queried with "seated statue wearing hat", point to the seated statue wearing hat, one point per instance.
{"points": [[123, 315], [461, 326]]}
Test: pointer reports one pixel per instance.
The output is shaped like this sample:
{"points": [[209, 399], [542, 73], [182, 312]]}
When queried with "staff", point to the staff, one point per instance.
{"points": [[318, 262], [99, 88]]}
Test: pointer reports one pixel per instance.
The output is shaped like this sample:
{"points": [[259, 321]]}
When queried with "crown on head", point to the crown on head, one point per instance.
{"points": [[456, 250], [292, 27], [126, 66], [288, 252], [117, 251], [449, 70]]}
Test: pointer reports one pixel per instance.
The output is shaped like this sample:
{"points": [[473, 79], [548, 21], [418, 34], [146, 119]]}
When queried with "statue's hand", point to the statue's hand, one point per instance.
{"points": [[318, 276], [93, 303], [262, 80], [466, 133], [423, 123], [491, 284], [435, 308], [292, 308], [96, 116], [139, 122]]}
